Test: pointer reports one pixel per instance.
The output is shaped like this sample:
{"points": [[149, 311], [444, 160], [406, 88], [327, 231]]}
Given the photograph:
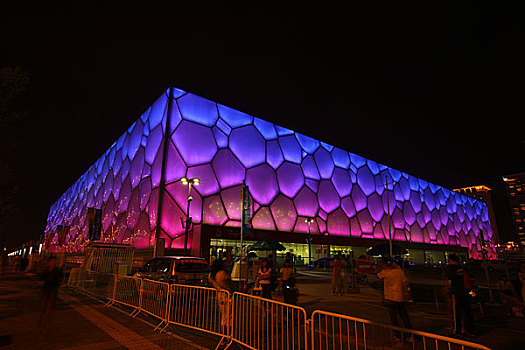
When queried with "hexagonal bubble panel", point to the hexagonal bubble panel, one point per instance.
{"points": [[179, 192], [409, 213], [266, 129], [208, 183], [175, 166], [157, 112], [232, 203], [290, 148], [248, 145], [198, 109], [312, 184], [213, 211], [281, 131], [195, 143], [342, 182], [228, 169], [357, 161], [415, 200], [429, 199], [152, 147], [338, 224], [220, 137], [306, 203], [290, 178], [324, 162], [359, 198], [145, 190], [328, 197], [133, 210], [134, 139], [262, 183], [310, 168], [374, 168], [302, 226], [135, 172], [375, 207], [366, 181], [263, 219], [233, 117], [171, 223], [175, 118], [284, 213], [142, 232], [307, 143]]}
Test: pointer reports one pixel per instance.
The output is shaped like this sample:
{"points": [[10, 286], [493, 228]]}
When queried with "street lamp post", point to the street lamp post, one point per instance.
{"points": [[309, 222], [189, 182]]}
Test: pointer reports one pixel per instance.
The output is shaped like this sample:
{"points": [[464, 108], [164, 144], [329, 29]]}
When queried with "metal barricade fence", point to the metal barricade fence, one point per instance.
{"points": [[154, 299], [260, 323], [99, 284], [201, 308], [332, 331], [126, 291]]}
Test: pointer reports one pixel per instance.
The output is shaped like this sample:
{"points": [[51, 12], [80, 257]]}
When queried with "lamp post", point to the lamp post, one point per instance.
{"points": [[189, 182], [309, 221]]}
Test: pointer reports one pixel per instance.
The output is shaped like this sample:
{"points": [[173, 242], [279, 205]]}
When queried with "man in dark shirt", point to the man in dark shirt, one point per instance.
{"points": [[460, 296]]}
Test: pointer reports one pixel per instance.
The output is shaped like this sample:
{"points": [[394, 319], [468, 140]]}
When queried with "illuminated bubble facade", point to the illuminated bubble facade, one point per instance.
{"points": [[291, 177]]}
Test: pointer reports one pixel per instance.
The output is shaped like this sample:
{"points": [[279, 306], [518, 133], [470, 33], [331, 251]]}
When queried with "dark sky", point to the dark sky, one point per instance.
{"points": [[431, 88]]}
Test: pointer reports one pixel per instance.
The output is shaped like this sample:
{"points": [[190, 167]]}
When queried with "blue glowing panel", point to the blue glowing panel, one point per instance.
{"points": [[266, 129], [220, 137], [233, 117], [157, 112], [175, 118], [290, 178], [341, 158], [366, 181], [357, 161], [228, 169], [152, 147], [248, 145], [309, 144], [195, 143], [291, 148], [135, 173], [373, 167], [429, 199], [342, 182], [283, 131], [134, 140], [325, 164], [198, 109], [310, 168], [327, 146], [274, 156]]}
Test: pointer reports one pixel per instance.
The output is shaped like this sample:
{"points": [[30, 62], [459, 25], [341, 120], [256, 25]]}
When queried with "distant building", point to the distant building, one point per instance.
{"points": [[515, 185], [482, 194]]}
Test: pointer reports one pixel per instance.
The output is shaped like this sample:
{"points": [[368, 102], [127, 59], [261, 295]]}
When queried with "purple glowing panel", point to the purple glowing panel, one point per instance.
{"points": [[208, 183], [306, 203], [348, 206], [263, 219], [198, 109], [366, 222], [134, 140], [274, 156], [171, 223], [325, 164], [359, 198], [284, 213], [175, 166], [223, 126], [302, 226], [220, 137], [341, 158], [375, 206], [248, 145], [398, 220], [152, 147], [398, 195], [262, 183], [153, 206], [313, 184], [328, 198], [233, 117], [291, 148], [429, 199], [342, 182], [133, 211], [142, 233], [309, 144], [409, 213], [266, 129], [230, 198], [137, 164], [108, 187], [175, 118], [310, 168], [290, 179], [228, 169], [415, 200], [195, 143], [156, 170], [366, 181], [124, 196], [145, 191], [337, 223], [213, 211]]}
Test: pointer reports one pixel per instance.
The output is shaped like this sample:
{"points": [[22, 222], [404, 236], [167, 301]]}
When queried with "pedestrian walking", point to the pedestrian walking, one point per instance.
{"points": [[457, 279], [52, 276], [263, 279], [396, 294], [220, 279], [336, 275]]}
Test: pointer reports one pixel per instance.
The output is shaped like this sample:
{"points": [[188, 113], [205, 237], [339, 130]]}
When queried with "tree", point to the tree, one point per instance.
{"points": [[13, 84]]}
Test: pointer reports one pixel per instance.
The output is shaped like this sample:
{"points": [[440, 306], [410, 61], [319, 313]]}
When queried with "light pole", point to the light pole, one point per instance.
{"points": [[309, 221], [189, 182]]}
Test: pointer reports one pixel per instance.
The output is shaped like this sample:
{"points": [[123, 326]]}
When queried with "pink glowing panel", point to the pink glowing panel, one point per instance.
{"points": [[359, 198], [398, 220], [195, 143], [328, 198], [198, 109], [233, 117], [366, 222], [133, 211], [248, 145], [355, 228], [152, 207], [142, 232], [179, 193], [375, 207], [416, 234], [324, 162], [348, 206], [156, 170], [284, 213], [338, 223], [302, 226], [175, 166], [125, 194], [366, 180], [233, 223], [120, 228], [306, 203], [213, 211], [321, 224], [154, 141], [171, 223], [135, 172], [291, 148], [274, 156], [378, 232], [145, 191], [409, 213], [262, 183], [310, 168], [341, 158], [157, 111], [208, 183], [399, 235], [290, 178], [228, 169], [342, 182], [231, 200], [263, 219]]}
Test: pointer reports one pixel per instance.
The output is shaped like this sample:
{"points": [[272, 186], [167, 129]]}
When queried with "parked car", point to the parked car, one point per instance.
{"points": [[323, 262], [176, 269]]}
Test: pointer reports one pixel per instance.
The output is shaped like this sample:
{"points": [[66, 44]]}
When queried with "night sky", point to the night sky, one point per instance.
{"points": [[432, 89]]}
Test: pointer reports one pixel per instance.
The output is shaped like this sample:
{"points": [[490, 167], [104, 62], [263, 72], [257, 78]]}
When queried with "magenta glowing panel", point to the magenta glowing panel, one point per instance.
{"points": [[290, 176]]}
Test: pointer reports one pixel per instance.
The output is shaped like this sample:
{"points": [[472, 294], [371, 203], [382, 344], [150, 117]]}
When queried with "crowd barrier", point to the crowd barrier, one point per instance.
{"points": [[252, 321]]}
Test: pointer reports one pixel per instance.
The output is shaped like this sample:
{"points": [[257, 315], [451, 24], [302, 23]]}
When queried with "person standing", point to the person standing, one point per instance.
{"points": [[52, 277], [336, 275], [286, 273], [219, 278], [456, 275], [396, 294], [263, 279]]}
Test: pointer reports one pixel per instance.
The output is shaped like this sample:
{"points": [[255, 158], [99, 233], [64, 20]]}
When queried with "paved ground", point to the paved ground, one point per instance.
{"points": [[80, 322]]}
